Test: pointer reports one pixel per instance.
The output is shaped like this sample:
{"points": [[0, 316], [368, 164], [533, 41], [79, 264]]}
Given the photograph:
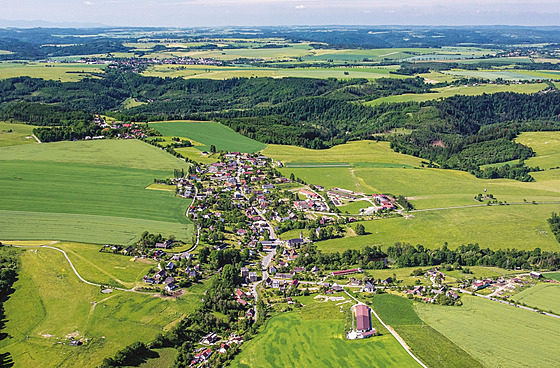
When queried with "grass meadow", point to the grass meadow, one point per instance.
{"points": [[542, 296], [12, 134], [553, 275], [67, 72], [314, 336], [431, 347], [495, 227], [209, 133], [88, 192], [50, 303], [493, 333]]}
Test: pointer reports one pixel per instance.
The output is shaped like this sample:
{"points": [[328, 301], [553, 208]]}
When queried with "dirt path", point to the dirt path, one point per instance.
{"points": [[76, 271]]}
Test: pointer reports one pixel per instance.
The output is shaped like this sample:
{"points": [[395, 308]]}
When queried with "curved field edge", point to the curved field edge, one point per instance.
{"points": [[493, 332]]}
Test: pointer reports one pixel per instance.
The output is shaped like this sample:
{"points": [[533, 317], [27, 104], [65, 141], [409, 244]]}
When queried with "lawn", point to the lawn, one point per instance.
{"points": [[209, 133], [542, 296], [12, 134], [89, 192], [431, 347], [494, 332], [49, 303], [495, 227], [64, 72], [315, 337]]}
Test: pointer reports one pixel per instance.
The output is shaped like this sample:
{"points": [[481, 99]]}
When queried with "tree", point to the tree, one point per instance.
{"points": [[360, 229]]}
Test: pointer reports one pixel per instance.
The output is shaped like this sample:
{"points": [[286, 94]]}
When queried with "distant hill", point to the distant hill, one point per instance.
{"points": [[4, 23]]}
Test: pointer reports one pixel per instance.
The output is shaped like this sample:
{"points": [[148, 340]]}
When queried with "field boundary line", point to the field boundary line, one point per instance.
{"points": [[393, 332]]}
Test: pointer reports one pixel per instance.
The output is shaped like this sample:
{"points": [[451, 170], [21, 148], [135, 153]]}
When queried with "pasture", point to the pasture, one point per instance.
{"points": [[50, 303], [12, 134], [67, 72], [430, 346], [493, 332], [209, 133], [553, 275], [315, 336], [89, 192], [542, 296]]}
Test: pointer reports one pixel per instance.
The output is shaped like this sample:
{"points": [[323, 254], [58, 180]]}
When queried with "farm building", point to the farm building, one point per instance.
{"points": [[363, 326], [347, 272]]}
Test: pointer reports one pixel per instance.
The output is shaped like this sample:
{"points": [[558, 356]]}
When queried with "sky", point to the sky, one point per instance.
{"points": [[196, 13]]}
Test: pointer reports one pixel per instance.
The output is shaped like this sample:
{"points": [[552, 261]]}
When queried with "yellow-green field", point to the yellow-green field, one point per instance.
{"points": [[547, 147], [225, 72], [496, 334], [315, 336], [542, 296], [462, 90], [50, 303], [67, 72], [12, 134]]}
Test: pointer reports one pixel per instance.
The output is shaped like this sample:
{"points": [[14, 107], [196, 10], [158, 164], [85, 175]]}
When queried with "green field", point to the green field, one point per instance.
{"points": [[12, 134], [542, 296], [315, 337], [466, 91], [553, 275], [431, 347], [50, 302], [508, 74], [89, 192], [547, 147], [67, 72], [494, 332], [209, 133], [495, 227]]}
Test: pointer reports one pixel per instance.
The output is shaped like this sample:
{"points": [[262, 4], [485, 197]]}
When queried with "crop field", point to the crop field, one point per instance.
{"points": [[67, 72], [209, 133], [88, 191], [495, 227], [351, 152], [466, 91], [542, 296], [430, 346], [12, 134], [225, 72], [512, 74], [493, 332], [314, 336], [50, 303]]}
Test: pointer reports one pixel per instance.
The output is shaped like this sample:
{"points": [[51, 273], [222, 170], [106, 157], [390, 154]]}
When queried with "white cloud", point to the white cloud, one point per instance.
{"points": [[88, 3], [300, 6]]}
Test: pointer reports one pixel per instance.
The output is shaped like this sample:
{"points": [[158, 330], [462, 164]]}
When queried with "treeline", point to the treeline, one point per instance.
{"points": [[554, 222], [407, 255], [9, 265]]}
